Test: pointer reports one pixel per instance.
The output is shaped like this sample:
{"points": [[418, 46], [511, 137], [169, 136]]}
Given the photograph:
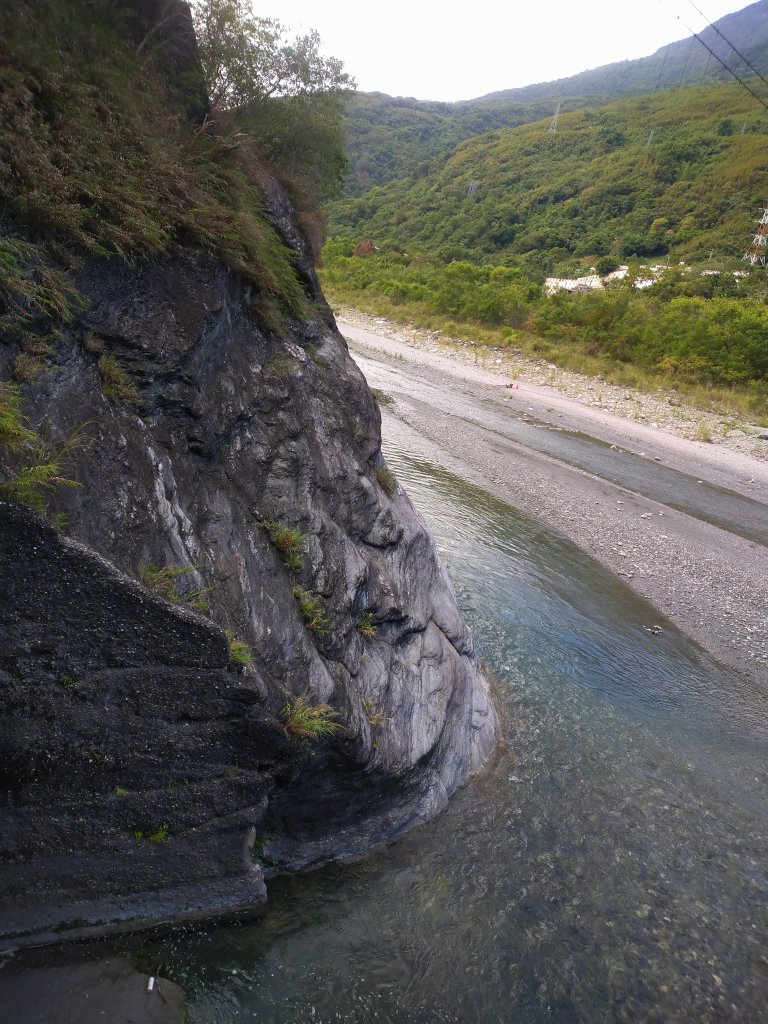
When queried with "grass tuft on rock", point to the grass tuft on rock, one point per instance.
{"points": [[288, 541], [305, 720], [312, 610]]}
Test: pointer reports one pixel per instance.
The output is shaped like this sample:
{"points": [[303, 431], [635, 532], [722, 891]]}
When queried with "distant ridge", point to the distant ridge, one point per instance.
{"points": [[683, 62], [399, 137]]}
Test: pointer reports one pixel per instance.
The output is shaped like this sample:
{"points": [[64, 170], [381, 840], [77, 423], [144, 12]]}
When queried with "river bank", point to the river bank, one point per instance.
{"points": [[665, 410], [707, 579]]}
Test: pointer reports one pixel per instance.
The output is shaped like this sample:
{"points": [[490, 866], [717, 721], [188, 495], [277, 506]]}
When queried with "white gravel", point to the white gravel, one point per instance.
{"points": [[664, 410]]}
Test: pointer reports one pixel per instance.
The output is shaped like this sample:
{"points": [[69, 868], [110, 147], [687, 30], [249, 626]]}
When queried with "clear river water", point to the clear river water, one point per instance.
{"points": [[609, 866]]}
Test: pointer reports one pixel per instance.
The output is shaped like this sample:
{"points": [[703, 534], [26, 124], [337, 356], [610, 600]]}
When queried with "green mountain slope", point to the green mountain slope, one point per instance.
{"points": [[682, 171], [393, 137]]}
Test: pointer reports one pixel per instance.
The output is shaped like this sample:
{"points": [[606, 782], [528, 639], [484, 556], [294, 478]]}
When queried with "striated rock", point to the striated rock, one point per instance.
{"points": [[147, 775], [234, 426], [134, 765]]}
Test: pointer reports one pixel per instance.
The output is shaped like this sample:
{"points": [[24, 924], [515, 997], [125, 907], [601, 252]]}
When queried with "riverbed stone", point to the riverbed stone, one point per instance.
{"points": [[102, 992]]}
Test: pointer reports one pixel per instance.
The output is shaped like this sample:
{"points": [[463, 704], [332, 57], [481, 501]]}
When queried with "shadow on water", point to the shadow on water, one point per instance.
{"points": [[610, 866]]}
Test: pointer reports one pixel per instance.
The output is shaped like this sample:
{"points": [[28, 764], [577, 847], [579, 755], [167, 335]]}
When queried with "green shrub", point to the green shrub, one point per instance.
{"points": [[239, 651], [366, 625], [375, 718], [382, 397], [387, 480], [15, 435], [27, 366], [164, 581], [155, 835], [288, 541], [312, 610], [30, 286], [31, 464], [305, 720], [115, 381], [95, 159]]}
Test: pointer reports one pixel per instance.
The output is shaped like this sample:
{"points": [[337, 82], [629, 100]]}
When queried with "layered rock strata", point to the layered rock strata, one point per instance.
{"points": [[229, 428]]}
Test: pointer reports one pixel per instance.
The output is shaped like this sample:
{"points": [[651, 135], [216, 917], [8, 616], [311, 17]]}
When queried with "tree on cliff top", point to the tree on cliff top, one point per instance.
{"points": [[284, 91]]}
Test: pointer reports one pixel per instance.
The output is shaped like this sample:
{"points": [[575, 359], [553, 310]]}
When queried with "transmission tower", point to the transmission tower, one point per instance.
{"points": [[757, 250], [553, 126]]}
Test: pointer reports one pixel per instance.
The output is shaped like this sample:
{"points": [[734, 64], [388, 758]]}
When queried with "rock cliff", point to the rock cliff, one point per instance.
{"points": [[146, 774]]}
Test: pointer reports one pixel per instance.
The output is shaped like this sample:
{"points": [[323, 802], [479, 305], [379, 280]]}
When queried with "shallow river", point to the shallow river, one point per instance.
{"points": [[611, 865]]}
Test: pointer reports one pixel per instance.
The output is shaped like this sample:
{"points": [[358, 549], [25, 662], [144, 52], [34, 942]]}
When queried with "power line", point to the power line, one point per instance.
{"points": [[729, 43], [720, 61]]}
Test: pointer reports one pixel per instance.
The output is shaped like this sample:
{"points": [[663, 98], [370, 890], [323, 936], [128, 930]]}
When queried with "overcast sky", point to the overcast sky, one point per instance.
{"points": [[457, 51]]}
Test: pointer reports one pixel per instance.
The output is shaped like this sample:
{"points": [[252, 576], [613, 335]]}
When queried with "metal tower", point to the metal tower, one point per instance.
{"points": [[553, 126], [756, 252]]}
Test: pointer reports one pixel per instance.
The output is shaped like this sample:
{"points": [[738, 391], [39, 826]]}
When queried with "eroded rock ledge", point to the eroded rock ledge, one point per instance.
{"points": [[121, 715]]}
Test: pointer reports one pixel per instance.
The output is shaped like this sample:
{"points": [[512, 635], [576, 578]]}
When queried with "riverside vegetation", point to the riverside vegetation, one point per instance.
{"points": [[674, 177]]}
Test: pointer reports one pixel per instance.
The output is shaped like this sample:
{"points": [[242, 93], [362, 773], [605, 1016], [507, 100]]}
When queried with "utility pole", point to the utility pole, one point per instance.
{"points": [[756, 252], [553, 126]]}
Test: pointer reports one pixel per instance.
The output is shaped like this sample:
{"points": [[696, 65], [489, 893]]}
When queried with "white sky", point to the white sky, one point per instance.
{"points": [[445, 51]]}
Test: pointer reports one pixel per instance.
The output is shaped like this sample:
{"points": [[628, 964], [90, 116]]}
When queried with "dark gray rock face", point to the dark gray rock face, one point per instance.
{"points": [[234, 426], [133, 765]]}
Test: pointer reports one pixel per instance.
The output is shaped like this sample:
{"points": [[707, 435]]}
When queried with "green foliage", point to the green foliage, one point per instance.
{"points": [[398, 137], [164, 581], [31, 465], [29, 286], [31, 361], [312, 610], [382, 397], [306, 720], [94, 158], [395, 137], [703, 433], [15, 435], [286, 94], [289, 542], [239, 651], [159, 834], [280, 366], [681, 331], [115, 381], [387, 480], [375, 718], [366, 625], [593, 189]]}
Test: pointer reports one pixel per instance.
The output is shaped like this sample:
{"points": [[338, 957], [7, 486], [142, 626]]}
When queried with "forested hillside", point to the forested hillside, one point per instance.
{"points": [[671, 176], [392, 137], [396, 137], [682, 172]]}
